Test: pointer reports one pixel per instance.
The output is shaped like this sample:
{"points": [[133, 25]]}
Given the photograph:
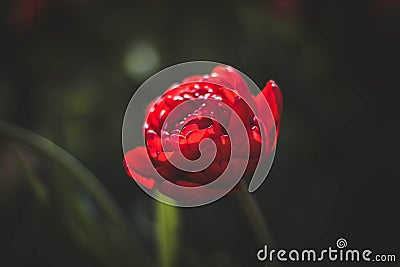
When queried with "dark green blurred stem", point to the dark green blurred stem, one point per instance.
{"points": [[167, 232], [256, 218]]}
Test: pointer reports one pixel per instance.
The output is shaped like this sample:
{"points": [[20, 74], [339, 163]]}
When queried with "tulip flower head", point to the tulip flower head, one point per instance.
{"points": [[204, 134]]}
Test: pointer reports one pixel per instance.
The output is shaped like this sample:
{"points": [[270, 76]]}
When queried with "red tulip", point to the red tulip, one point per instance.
{"points": [[208, 103]]}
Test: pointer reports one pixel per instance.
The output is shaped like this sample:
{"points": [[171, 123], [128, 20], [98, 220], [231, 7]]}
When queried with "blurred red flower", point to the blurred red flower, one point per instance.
{"points": [[201, 120], [26, 12]]}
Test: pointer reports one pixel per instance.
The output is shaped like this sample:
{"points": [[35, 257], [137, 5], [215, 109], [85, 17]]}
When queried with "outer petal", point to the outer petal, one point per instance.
{"points": [[139, 167], [273, 95], [167, 189], [229, 77]]}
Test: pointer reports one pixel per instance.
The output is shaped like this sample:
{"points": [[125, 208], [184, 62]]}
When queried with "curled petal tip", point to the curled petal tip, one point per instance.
{"points": [[272, 84]]}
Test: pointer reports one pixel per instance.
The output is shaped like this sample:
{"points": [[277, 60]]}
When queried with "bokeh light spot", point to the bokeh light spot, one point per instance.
{"points": [[141, 59]]}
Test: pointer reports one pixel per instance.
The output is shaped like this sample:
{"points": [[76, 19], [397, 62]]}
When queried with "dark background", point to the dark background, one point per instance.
{"points": [[69, 68]]}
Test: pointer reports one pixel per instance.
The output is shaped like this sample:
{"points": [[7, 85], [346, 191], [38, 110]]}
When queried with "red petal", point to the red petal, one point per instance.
{"points": [[187, 183], [147, 182], [139, 167], [167, 189], [232, 78], [153, 140], [273, 95]]}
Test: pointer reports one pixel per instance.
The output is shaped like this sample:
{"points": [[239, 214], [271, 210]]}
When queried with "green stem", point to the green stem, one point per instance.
{"points": [[256, 218]]}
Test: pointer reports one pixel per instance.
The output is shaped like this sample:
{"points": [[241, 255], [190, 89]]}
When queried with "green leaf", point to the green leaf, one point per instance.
{"points": [[80, 173], [103, 230], [37, 186], [167, 232]]}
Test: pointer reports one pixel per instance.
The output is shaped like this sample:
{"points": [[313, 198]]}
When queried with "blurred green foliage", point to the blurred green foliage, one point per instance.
{"points": [[76, 200]]}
